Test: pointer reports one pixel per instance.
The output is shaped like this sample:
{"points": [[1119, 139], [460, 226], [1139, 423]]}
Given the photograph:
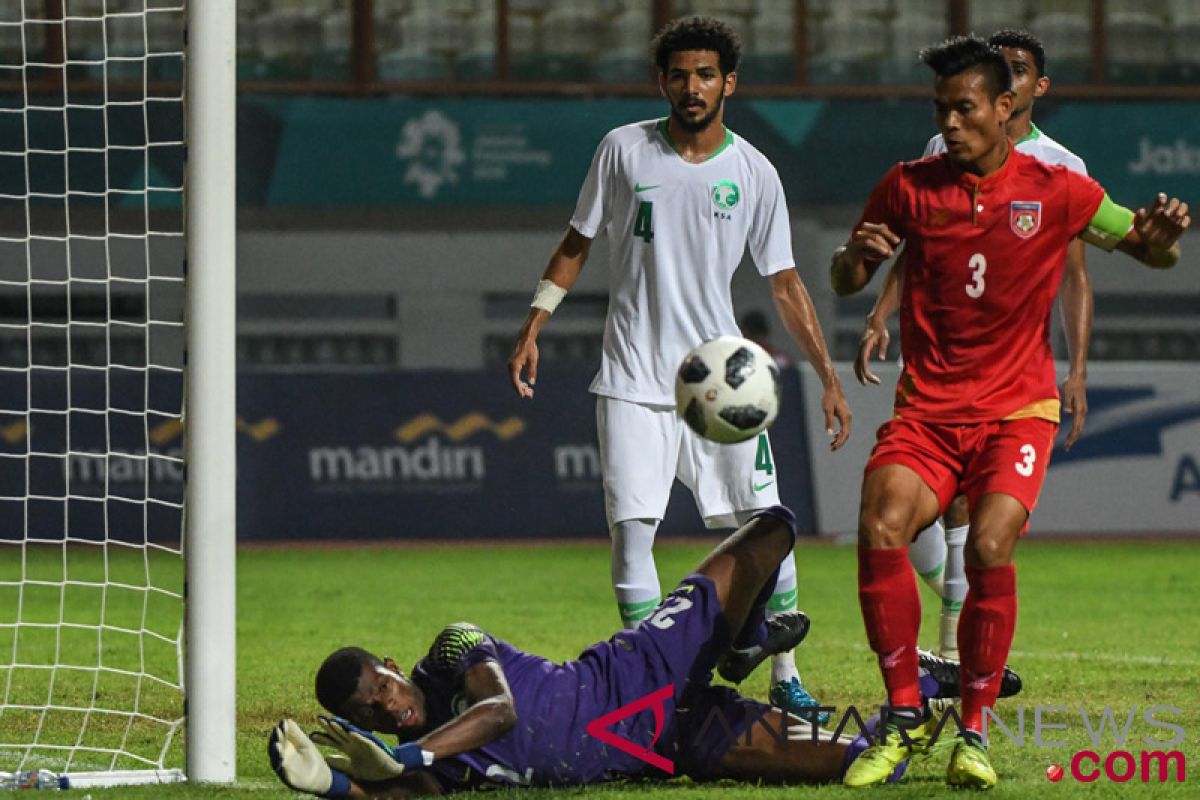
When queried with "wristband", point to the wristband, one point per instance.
{"points": [[339, 785], [412, 756], [547, 296]]}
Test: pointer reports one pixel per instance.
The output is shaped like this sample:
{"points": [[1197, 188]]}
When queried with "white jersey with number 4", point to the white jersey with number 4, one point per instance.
{"points": [[676, 232], [1036, 144]]}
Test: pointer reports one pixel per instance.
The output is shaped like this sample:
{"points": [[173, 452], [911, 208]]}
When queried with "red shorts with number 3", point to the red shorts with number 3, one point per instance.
{"points": [[1009, 456]]}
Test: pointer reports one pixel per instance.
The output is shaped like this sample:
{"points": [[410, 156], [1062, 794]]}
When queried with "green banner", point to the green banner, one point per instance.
{"points": [[407, 151]]}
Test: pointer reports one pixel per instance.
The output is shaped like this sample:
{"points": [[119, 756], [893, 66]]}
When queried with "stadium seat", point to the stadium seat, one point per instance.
{"points": [[1183, 11], [1179, 73], [527, 6], [771, 60], [1076, 8], [522, 34], [847, 50], [413, 65], [1184, 66], [446, 8], [828, 70], [628, 31], [337, 30], [427, 30], [286, 38], [987, 16], [717, 8], [772, 36], [904, 70], [1155, 8], [551, 67], [477, 62], [475, 66], [1069, 71], [856, 10], [331, 62], [1136, 51], [1067, 37], [570, 31], [768, 69], [910, 32], [392, 8], [621, 67]]}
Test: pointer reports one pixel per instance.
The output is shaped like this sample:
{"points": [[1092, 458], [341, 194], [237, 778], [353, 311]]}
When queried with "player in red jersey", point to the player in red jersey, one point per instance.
{"points": [[986, 230]]}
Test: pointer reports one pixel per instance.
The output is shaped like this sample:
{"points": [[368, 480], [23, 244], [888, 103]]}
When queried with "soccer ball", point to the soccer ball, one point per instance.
{"points": [[727, 390]]}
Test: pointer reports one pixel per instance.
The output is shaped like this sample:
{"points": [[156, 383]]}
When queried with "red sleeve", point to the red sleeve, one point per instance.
{"points": [[883, 206], [1084, 196]]}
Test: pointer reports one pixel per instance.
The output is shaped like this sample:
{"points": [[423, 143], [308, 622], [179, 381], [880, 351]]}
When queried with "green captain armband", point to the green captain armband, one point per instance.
{"points": [[1109, 225]]}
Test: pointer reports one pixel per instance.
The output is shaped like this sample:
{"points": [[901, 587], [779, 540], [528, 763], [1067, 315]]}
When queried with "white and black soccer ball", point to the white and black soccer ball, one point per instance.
{"points": [[727, 390]]}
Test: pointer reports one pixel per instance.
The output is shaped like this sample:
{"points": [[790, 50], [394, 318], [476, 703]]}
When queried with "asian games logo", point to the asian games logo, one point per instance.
{"points": [[1025, 217], [432, 144]]}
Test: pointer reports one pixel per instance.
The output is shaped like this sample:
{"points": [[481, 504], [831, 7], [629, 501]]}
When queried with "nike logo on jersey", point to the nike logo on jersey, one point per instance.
{"points": [[637, 187], [758, 487]]}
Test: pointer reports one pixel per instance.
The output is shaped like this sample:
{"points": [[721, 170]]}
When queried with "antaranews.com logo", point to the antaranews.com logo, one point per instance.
{"points": [[1035, 726]]}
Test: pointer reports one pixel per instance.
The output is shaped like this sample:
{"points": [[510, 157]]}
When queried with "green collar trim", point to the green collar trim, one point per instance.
{"points": [[1034, 133], [666, 134]]}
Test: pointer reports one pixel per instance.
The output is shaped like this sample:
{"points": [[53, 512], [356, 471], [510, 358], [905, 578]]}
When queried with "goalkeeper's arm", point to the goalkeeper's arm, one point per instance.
{"points": [[492, 714]]}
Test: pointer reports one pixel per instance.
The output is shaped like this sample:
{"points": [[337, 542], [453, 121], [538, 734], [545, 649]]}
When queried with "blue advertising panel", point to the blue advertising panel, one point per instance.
{"points": [[443, 455], [324, 455]]}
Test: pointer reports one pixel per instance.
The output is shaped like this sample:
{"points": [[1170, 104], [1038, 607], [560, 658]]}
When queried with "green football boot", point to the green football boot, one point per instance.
{"points": [[879, 761], [970, 767]]}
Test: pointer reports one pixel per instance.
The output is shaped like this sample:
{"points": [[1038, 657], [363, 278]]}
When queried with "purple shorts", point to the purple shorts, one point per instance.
{"points": [[677, 645]]}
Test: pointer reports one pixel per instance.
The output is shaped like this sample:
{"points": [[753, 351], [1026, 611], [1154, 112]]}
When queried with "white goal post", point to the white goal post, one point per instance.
{"points": [[117, 390], [211, 418]]}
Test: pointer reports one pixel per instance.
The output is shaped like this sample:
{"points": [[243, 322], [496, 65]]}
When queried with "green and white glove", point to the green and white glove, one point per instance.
{"points": [[300, 765], [366, 757]]}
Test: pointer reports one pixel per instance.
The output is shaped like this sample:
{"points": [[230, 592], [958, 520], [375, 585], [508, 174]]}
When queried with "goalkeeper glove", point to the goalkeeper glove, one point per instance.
{"points": [[298, 763], [369, 759]]}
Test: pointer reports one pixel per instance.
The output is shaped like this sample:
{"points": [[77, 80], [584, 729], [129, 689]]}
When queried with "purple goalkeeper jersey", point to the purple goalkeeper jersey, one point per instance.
{"points": [[550, 745]]}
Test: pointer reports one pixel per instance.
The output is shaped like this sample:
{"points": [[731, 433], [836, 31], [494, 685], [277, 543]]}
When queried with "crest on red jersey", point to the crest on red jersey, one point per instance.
{"points": [[1025, 217]]}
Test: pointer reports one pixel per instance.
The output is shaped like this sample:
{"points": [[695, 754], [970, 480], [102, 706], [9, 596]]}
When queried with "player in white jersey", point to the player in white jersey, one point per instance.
{"points": [[937, 552], [681, 200]]}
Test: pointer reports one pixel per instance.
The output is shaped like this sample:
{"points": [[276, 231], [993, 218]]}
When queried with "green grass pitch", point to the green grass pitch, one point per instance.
{"points": [[1101, 623]]}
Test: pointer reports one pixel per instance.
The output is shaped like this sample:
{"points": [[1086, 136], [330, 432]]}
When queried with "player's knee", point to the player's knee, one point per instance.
{"points": [[986, 551], [783, 514], [883, 528]]}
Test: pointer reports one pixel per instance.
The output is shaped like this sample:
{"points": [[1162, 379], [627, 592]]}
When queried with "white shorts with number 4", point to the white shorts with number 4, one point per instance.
{"points": [[644, 448]]}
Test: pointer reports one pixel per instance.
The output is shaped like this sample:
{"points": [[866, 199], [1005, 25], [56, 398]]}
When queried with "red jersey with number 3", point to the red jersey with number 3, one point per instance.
{"points": [[983, 261]]}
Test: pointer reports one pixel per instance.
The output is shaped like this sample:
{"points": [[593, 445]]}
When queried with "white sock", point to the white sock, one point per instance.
{"points": [[928, 555], [954, 590], [783, 598], [634, 574]]}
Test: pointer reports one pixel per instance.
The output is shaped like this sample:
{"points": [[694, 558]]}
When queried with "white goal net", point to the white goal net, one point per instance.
{"points": [[91, 385]]}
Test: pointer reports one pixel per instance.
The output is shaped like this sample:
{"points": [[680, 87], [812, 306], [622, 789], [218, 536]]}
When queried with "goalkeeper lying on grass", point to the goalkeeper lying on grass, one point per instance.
{"points": [[478, 712]]}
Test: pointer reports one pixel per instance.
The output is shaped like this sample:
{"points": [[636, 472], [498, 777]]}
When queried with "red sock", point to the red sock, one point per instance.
{"points": [[985, 634], [891, 609]]}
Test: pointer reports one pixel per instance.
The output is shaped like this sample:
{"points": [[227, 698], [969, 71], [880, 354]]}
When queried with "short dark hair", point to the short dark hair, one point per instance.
{"points": [[1022, 40], [698, 33], [338, 677], [961, 53]]}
